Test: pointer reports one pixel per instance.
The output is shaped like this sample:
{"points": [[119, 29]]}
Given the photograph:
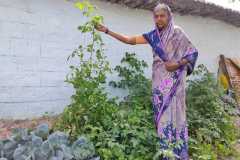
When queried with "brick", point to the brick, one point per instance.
{"points": [[22, 47], [33, 93], [13, 29], [57, 49], [53, 79], [4, 46], [12, 78], [31, 110], [53, 64], [8, 63]]}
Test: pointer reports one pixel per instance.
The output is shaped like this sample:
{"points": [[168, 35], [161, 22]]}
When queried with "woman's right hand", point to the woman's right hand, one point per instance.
{"points": [[126, 39], [100, 28]]}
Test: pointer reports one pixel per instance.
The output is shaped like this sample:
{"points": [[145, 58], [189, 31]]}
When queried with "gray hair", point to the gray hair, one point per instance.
{"points": [[162, 6]]}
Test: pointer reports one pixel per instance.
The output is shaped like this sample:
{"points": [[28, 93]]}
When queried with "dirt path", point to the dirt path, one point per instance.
{"points": [[6, 125]]}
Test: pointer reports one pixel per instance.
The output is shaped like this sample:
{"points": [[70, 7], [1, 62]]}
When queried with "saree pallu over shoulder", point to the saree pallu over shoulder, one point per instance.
{"points": [[180, 41], [153, 40], [168, 88], [188, 50]]}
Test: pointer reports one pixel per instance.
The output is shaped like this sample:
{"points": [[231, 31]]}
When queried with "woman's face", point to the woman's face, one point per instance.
{"points": [[161, 18]]}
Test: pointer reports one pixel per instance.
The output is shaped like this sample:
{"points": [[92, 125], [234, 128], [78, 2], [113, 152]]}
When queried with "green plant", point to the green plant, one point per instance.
{"points": [[210, 126], [131, 72], [89, 100], [125, 130], [40, 145]]}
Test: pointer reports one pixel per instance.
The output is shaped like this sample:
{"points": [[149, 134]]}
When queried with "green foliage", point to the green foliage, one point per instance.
{"points": [[131, 72], [89, 100], [125, 130], [210, 126], [118, 131]]}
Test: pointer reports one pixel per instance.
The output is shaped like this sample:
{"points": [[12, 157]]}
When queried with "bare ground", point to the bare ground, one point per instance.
{"points": [[6, 125]]}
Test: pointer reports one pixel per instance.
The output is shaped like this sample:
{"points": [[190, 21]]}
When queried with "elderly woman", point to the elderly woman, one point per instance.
{"points": [[174, 58]]}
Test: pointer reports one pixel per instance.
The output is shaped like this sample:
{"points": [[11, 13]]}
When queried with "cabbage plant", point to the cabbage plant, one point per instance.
{"points": [[39, 144]]}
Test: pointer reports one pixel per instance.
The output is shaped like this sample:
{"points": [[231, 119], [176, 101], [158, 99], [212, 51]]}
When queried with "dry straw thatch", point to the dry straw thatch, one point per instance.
{"points": [[190, 7]]}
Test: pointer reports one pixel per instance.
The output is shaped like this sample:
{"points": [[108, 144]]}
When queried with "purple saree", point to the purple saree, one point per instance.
{"points": [[168, 88]]}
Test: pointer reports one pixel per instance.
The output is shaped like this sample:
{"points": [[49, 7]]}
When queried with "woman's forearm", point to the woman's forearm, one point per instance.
{"points": [[173, 66], [122, 38], [183, 61]]}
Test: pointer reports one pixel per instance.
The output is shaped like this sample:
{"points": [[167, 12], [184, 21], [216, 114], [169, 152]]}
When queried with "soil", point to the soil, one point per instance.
{"points": [[6, 125]]}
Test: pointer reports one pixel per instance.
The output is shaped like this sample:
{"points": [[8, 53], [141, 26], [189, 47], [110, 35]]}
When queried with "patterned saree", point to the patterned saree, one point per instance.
{"points": [[168, 88]]}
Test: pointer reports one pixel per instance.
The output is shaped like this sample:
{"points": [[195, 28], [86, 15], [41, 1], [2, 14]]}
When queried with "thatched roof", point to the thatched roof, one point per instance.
{"points": [[229, 73], [190, 7]]}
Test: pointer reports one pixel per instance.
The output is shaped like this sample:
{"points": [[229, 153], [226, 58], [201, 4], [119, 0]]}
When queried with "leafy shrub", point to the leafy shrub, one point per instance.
{"points": [[39, 145], [210, 124], [125, 130], [118, 131]]}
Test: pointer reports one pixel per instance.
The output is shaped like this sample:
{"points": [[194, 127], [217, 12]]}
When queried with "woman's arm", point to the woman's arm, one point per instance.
{"points": [[133, 40], [172, 66]]}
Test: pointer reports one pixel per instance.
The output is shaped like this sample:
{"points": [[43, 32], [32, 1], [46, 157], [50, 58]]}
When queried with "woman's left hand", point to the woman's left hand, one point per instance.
{"points": [[171, 66]]}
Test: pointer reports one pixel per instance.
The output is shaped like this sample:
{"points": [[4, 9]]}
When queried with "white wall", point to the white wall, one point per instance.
{"points": [[37, 36]]}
